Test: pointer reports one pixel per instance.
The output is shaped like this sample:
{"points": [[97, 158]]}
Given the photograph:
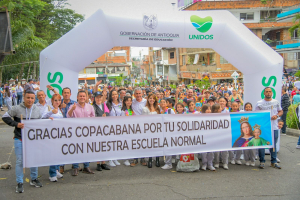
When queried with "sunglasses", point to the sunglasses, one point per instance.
{"points": [[198, 104]]}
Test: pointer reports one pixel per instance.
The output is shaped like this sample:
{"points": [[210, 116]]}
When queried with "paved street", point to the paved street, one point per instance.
{"points": [[239, 182]]}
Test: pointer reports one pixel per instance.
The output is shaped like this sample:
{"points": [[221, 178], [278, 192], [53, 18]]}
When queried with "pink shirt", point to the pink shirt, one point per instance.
{"points": [[80, 112]]}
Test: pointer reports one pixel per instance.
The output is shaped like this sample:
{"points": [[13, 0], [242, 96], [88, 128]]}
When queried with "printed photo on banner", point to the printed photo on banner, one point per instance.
{"points": [[251, 129]]}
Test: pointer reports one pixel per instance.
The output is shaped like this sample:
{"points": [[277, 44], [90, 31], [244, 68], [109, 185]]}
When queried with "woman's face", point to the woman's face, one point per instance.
{"points": [[246, 129], [151, 100], [128, 102], [256, 133], [192, 106], [98, 99], [114, 95], [208, 110], [222, 102], [180, 109], [56, 102], [234, 92], [248, 107]]}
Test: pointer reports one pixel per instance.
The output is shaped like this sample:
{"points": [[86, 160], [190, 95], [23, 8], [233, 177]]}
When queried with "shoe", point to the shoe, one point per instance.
{"points": [[277, 159], [203, 167], [252, 164], [116, 162], [127, 163], [79, 168], [232, 162], [173, 160], [143, 162], [283, 133], [256, 157], [53, 179], [238, 162], [216, 165], [247, 163], [105, 167], [242, 157], [19, 188], [111, 163], [99, 168], [262, 165], [36, 183], [225, 166], [150, 163], [132, 164], [59, 175], [157, 164], [167, 166], [298, 147], [211, 168], [275, 165], [75, 172], [61, 169], [87, 170]]}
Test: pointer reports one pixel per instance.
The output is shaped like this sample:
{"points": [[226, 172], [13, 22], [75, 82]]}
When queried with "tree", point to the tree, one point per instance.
{"points": [[119, 79], [296, 26]]}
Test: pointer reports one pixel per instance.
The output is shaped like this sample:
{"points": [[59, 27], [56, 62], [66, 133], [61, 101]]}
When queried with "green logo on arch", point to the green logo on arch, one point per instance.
{"points": [[202, 24]]}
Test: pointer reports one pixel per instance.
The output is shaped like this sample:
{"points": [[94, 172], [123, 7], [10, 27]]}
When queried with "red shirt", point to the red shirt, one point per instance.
{"points": [[293, 93]]}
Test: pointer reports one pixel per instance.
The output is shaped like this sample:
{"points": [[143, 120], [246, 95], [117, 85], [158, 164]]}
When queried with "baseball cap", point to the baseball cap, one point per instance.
{"points": [[97, 93]]}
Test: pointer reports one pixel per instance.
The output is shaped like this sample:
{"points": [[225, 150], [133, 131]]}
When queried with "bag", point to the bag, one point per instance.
{"points": [[188, 163]]}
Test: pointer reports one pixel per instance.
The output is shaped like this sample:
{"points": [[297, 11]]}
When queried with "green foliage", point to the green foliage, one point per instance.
{"points": [[297, 74], [173, 86], [203, 84], [35, 24], [119, 80], [296, 26], [291, 118], [264, 1]]}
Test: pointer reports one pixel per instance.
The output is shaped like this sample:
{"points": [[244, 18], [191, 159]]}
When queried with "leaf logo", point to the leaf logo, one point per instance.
{"points": [[201, 24]]}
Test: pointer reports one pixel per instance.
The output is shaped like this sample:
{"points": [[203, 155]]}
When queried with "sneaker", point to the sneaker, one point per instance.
{"points": [[247, 163], [238, 162], [275, 165], [216, 166], [19, 188], [242, 157], [277, 159], [298, 146], [59, 175], [203, 167], [116, 162], [111, 163], [36, 183], [262, 165], [252, 164], [127, 163], [211, 168], [225, 166], [53, 179], [167, 166], [256, 157], [232, 162]]}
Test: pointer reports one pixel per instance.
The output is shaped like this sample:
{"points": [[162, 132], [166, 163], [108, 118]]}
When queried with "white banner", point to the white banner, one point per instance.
{"points": [[77, 140]]}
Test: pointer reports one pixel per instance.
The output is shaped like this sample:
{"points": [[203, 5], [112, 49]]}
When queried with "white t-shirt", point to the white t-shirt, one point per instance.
{"points": [[116, 109], [274, 106], [137, 107]]}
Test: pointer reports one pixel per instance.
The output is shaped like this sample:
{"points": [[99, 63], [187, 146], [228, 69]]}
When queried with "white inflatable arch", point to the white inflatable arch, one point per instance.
{"points": [[144, 27]]}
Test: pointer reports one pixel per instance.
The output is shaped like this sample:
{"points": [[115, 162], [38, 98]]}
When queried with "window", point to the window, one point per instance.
{"points": [[246, 16], [183, 60], [171, 55], [159, 70], [223, 61], [90, 70], [292, 56]]}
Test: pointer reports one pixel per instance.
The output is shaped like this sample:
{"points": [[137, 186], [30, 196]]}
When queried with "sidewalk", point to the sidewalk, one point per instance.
{"points": [[1, 114]]}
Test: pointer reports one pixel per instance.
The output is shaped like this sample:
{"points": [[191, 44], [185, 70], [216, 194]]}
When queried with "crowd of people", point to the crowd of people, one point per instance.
{"points": [[105, 101]]}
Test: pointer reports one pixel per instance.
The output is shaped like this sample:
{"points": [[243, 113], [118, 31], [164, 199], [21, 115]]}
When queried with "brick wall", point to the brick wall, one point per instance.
{"points": [[268, 25], [211, 5]]}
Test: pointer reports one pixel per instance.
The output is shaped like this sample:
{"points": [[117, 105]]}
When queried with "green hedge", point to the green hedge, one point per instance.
{"points": [[291, 118]]}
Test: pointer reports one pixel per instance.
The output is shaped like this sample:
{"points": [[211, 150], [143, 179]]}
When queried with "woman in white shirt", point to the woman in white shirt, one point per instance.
{"points": [[19, 90], [114, 106], [8, 98], [52, 112]]}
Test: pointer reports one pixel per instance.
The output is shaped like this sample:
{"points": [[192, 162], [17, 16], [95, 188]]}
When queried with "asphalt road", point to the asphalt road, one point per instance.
{"points": [[239, 182]]}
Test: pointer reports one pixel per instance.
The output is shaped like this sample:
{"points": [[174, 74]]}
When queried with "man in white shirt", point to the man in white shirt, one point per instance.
{"points": [[276, 111], [42, 103]]}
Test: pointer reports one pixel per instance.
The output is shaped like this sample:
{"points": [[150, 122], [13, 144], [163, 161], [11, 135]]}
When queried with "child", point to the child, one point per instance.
{"points": [[179, 108], [216, 108], [191, 108], [232, 158], [170, 103], [257, 140], [207, 157]]}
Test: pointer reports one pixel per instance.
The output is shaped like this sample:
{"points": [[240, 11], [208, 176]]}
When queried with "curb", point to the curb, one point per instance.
{"points": [[293, 132]]}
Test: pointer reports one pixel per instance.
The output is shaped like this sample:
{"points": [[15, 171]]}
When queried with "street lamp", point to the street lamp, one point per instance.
{"points": [[235, 76]]}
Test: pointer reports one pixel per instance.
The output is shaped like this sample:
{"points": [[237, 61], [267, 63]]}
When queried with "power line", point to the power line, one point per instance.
{"points": [[20, 63]]}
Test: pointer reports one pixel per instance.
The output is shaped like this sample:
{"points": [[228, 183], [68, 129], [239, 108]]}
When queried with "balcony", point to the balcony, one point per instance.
{"points": [[293, 43], [288, 14], [202, 68]]}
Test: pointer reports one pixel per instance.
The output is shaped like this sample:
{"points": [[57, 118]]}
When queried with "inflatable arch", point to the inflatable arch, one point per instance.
{"points": [[219, 30]]}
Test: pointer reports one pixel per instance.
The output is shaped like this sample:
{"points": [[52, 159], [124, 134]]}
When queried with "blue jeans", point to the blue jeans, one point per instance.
{"points": [[261, 152], [19, 97], [19, 163], [76, 165], [52, 170], [1, 101], [298, 141]]}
